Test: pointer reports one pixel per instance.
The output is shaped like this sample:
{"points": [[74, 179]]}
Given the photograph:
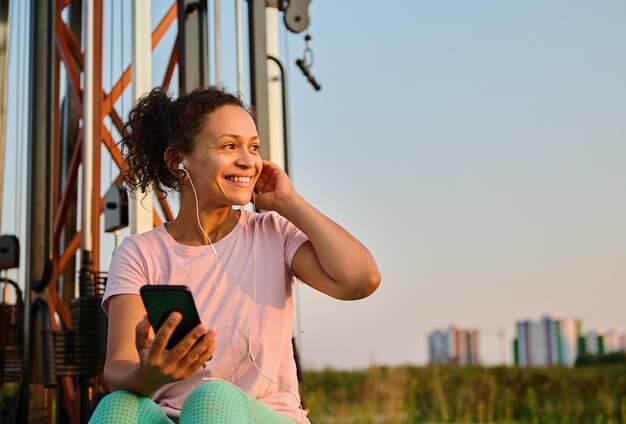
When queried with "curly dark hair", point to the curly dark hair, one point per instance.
{"points": [[158, 121]]}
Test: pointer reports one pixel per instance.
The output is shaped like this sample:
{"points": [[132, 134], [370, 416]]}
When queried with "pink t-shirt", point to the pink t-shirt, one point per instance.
{"points": [[256, 253]]}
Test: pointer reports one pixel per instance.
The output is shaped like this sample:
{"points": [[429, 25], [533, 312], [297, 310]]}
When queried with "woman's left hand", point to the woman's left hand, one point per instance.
{"points": [[274, 186]]}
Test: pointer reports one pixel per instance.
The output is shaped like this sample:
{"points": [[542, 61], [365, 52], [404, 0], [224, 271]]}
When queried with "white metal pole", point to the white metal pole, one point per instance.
{"points": [[277, 150], [88, 122], [140, 208], [218, 41], [239, 25]]}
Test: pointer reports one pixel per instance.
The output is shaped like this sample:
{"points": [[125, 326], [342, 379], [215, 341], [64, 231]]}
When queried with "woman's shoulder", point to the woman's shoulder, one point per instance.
{"points": [[144, 241], [264, 217], [265, 221], [273, 226]]}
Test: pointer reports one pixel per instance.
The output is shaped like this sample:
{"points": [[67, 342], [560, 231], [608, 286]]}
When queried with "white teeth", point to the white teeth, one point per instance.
{"points": [[239, 179]]}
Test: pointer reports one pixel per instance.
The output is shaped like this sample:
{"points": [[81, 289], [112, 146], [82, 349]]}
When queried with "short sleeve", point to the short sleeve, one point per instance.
{"points": [[127, 272], [293, 237]]}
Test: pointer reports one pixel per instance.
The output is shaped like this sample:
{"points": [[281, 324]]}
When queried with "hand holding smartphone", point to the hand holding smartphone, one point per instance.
{"points": [[161, 301]]}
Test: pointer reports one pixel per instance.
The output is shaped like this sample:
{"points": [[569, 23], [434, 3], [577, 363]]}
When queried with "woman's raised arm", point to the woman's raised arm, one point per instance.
{"points": [[332, 261]]}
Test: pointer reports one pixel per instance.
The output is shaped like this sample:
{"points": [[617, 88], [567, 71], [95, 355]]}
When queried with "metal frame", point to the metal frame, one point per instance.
{"points": [[52, 189]]}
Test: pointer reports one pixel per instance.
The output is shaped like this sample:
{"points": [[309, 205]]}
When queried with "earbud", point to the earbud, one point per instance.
{"points": [[181, 166]]}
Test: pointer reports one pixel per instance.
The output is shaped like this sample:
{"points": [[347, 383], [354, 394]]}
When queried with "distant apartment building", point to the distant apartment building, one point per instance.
{"points": [[453, 346], [552, 340], [602, 342], [615, 341]]}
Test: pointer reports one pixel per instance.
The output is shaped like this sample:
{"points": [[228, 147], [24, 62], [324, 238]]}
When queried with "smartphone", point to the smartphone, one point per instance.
{"points": [[161, 301]]}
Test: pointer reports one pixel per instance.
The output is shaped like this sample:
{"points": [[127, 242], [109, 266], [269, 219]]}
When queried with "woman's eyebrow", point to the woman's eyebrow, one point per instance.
{"points": [[237, 136]]}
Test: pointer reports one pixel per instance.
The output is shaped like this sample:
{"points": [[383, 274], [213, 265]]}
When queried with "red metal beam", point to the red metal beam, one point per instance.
{"points": [[165, 207], [117, 121], [63, 49], [170, 68], [71, 248], [63, 311], [113, 149], [109, 100], [156, 219], [68, 190], [164, 25], [72, 43]]}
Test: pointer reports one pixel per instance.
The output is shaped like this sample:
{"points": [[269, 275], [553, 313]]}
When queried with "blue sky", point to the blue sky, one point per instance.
{"points": [[477, 149]]}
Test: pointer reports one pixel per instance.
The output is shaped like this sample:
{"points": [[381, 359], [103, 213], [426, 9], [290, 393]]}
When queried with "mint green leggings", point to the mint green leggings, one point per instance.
{"points": [[214, 402]]}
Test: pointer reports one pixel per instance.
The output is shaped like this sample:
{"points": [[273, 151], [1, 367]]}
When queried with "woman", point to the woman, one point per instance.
{"points": [[237, 366]]}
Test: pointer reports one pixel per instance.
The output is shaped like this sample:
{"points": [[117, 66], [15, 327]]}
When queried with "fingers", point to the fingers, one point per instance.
{"points": [[269, 177], [142, 331], [190, 354], [178, 352], [163, 335], [183, 359], [262, 184], [268, 165], [269, 172], [201, 352]]}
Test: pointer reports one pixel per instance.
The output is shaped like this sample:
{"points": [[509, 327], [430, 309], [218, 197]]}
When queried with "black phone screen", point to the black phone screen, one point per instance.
{"points": [[161, 301]]}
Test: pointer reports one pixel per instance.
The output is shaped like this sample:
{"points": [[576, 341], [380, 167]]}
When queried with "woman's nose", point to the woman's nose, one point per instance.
{"points": [[246, 160]]}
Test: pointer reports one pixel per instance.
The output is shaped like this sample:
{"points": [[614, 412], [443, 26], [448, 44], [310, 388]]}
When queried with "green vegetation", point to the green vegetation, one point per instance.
{"points": [[614, 358], [590, 394]]}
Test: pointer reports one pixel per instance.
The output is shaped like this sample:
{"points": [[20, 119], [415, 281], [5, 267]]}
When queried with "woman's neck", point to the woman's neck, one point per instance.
{"points": [[216, 223]]}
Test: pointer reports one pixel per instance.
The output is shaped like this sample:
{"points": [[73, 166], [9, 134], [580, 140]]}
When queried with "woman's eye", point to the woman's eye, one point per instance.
{"points": [[254, 148], [230, 146]]}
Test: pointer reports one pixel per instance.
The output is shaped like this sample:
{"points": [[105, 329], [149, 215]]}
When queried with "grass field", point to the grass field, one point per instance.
{"points": [[395, 395], [467, 395]]}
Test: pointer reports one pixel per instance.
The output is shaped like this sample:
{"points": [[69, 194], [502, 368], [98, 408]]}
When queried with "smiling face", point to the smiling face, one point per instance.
{"points": [[225, 163]]}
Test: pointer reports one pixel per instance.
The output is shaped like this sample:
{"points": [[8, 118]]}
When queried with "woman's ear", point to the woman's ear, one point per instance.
{"points": [[172, 158]]}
